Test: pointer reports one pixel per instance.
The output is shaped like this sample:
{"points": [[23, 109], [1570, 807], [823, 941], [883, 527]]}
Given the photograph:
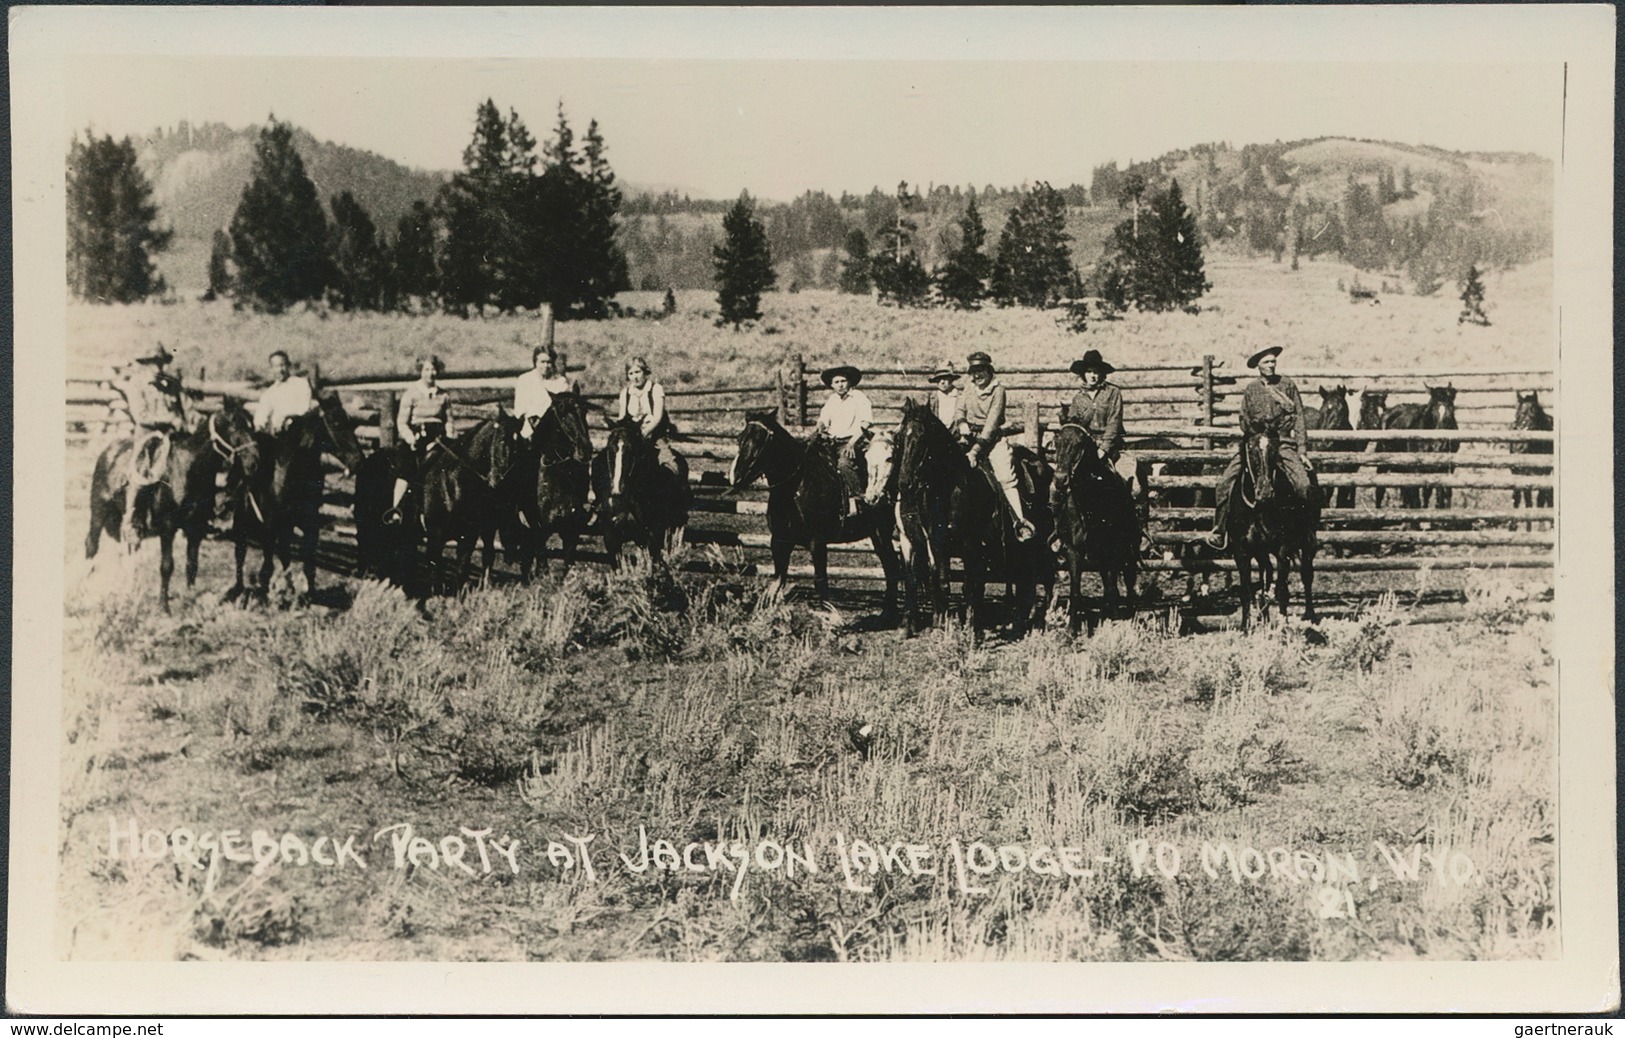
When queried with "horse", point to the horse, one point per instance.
{"points": [[640, 501], [1272, 525], [1373, 406], [806, 503], [1438, 413], [182, 499], [552, 493], [285, 494], [1333, 414], [946, 507], [1531, 416], [382, 549], [468, 492], [1098, 520]]}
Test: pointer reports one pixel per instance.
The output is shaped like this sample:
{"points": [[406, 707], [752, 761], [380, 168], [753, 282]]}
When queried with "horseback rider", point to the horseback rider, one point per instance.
{"points": [[644, 400], [846, 418], [981, 415], [533, 391], [156, 408], [285, 399], [1098, 407], [1270, 400], [945, 402], [422, 421]]}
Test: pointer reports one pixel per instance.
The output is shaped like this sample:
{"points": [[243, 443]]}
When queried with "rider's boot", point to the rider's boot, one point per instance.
{"points": [[392, 517], [1024, 528]]}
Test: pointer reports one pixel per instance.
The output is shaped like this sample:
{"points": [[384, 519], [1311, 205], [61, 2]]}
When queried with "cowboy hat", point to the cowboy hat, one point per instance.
{"points": [[1268, 351], [978, 360], [853, 375], [1092, 360], [159, 357], [945, 373]]}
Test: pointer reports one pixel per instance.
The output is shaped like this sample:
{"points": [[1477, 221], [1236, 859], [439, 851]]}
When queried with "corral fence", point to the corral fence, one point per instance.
{"points": [[1186, 411]]}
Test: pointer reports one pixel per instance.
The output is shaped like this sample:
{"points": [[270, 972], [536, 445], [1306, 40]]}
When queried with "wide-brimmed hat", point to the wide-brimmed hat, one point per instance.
{"points": [[978, 360], [853, 375], [1092, 361], [945, 373], [1268, 351], [160, 356]]}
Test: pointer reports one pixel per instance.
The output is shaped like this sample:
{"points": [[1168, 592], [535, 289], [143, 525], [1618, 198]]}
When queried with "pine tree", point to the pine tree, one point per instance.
{"points": [[744, 266], [854, 278], [219, 269], [473, 211], [894, 267], [1472, 298], [279, 232], [412, 271], [358, 259], [112, 223], [961, 281], [1033, 265], [1175, 277]]}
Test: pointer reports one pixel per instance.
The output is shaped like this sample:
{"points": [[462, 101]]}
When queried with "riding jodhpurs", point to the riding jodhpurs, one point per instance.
{"points": [[1291, 464], [1003, 464]]}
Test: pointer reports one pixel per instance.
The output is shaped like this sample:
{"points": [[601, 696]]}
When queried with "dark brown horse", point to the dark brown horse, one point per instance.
{"points": [[1531, 417], [947, 508], [468, 493], [1373, 406], [285, 494], [1333, 415], [1097, 523], [1438, 413], [640, 501], [552, 494], [182, 499], [1271, 525], [806, 503]]}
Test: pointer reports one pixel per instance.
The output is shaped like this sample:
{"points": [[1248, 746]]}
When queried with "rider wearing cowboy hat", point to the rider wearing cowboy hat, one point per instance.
{"points": [[846, 417], [1270, 400], [1098, 407], [945, 402], [982, 414], [154, 399]]}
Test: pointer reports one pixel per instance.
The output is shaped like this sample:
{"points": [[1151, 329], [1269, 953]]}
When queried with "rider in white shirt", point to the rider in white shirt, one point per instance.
{"points": [[533, 391], [286, 397], [846, 417]]}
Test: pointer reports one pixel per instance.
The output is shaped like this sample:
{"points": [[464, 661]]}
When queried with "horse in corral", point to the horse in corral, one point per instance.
{"points": [[468, 492], [1098, 522], [639, 500], [1373, 406], [285, 494], [1156, 496], [945, 507], [183, 497], [552, 491], [1438, 413], [1271, 525], [806, 503], [1333, 415], [1531, 417]]}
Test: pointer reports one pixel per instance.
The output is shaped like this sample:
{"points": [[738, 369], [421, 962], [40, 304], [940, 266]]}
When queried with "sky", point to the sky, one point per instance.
{"points": [[677, 116]]}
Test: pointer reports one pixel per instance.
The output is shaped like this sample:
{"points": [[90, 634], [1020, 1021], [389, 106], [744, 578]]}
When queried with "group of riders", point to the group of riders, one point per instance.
{"points": [[979, 414]]}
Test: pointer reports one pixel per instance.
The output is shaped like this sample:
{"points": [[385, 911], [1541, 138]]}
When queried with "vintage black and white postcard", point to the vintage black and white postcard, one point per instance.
{"points": [[813, 510]]}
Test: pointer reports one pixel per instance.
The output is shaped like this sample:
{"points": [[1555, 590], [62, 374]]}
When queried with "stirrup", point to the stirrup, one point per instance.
{"points": [[1217, 540], [1024, 530], [392, 517]]}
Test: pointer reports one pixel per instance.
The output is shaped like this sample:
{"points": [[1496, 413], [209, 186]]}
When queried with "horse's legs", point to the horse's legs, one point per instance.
{"points": [[940, 560], [93, 537], [1283, 598], [889, 563], [781, 563], [1306, 571], [820, 562], [166, 566], [1074, 603], [311, 537], [1245, 571], [194, 541], [569, 537], [975, 580]]}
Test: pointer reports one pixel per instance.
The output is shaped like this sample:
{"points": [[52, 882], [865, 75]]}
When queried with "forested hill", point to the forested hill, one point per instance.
{"points": [[198, 174]]}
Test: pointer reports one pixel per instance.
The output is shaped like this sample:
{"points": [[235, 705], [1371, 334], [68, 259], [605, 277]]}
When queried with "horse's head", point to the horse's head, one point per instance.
{"points": [[231, 436], [1373, 405], [1261, 459], [1075, 452], [1530, 415], [1334, 407], [921, 439], [562, 432], [339, 431], [496, 446], [1442, 406], [755, 439], [879, 458], [625, 447]]}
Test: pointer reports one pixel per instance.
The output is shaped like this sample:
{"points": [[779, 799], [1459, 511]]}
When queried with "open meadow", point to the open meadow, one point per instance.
{"points": [[640, 766]]}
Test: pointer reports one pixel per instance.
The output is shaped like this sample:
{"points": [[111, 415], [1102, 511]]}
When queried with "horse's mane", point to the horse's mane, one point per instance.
{"points": [[937, 436]]}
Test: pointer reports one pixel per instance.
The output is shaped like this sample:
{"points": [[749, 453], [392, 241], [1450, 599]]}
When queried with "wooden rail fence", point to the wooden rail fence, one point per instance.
{"points": [[1190, 406]]}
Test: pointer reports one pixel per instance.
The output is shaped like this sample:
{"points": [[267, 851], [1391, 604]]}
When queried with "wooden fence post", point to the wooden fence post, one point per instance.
{"points": [[1035, 432], [1207, 396], [782, 395], [546, 314], [388, 403], [800, 388]]}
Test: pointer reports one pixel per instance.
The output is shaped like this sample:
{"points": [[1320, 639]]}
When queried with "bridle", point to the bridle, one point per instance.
{"points": [[1071, 471], [221, 446], [1249, 476], [795, 471]]}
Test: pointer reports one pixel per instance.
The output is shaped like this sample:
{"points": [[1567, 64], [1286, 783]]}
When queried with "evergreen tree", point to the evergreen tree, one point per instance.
{"points": [[219, 270], [894, 267], [744, 266], [961, 281], [476, 212], [1472, 298], [358, 259], [412, 271], [1033, 265], [1160, 267], [279, 232], [112, 223], [854, 278]]}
